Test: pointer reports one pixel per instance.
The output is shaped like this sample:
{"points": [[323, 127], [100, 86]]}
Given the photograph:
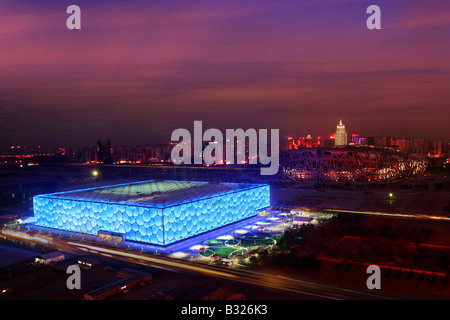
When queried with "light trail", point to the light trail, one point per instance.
{"points": [[245, 275], [401, 215], [154, 260], [25, 236]]}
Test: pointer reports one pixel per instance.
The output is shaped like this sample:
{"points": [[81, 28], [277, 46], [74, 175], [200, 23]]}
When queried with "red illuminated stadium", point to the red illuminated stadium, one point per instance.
{"points": [[350, 163]]}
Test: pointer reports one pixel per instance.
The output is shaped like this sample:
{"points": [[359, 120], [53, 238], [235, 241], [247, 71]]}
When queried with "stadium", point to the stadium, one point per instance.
{"points": [[154, 212], [350, 163]]}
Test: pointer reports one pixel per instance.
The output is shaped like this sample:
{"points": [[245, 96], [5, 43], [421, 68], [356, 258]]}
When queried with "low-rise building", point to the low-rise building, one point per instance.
{"points": [[128, 278], [48, 258], [299, 220]]}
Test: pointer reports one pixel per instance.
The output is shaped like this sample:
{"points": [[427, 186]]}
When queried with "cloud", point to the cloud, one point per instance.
{"points": [[241, 63]]}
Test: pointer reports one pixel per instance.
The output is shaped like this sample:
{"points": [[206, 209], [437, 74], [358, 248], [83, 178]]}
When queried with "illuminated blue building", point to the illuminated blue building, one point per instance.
{"points": [[154, 212]]}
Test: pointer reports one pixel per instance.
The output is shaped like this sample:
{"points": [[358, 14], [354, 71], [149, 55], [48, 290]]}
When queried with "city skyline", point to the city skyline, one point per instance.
{"points": [[138, 71], [243, 152], [321, 137]]}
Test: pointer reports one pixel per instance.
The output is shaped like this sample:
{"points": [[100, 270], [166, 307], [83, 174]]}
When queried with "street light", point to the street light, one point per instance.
{"points": [[95, 173]]}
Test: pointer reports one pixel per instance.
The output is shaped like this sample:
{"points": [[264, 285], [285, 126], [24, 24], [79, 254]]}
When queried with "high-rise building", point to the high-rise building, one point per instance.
{"points": [[420, 147], [436, 148], [104, 152], [402, 143], [382, 141], [309, 142], [330, 142], [302, 142], [341, 135]]}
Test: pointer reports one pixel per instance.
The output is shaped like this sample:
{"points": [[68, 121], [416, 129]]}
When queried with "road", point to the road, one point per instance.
{"points": [[389, 214], [313, 289], [302, 288]]}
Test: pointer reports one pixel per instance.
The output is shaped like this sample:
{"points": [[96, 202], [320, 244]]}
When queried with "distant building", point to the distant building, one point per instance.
{"points": [[436, 148], [420, 147], [403, 144], [357, 140], [382, 141], [299, 220], [104, 152], [341, 135], [141, 154], [330, 142], [309, 141], [303, 142], [89, 155]]}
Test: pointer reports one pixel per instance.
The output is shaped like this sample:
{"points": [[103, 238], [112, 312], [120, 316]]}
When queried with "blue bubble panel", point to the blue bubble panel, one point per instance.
{"points": [[152, 221]]}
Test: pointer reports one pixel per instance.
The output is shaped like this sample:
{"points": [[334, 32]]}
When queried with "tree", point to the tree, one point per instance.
{"points": [[253, 259], [264, 253]]}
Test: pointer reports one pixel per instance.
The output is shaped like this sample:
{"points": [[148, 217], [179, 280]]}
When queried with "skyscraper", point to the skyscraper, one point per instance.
{"points": [[104, 152], [309, 142], [341, 135]]}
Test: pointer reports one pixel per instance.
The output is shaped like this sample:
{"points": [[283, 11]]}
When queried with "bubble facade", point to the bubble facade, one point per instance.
{"points": [[159, 223]]}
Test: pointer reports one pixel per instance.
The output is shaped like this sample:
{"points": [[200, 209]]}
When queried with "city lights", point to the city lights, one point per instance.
{"points": [[351, 163], [225, 157]]}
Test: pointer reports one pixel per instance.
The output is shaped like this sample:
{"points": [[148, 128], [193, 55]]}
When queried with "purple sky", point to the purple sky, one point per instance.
{"points": [[140, 69]]}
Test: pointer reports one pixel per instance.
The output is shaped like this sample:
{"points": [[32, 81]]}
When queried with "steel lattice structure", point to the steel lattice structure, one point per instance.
{"points": [[351, 163]]}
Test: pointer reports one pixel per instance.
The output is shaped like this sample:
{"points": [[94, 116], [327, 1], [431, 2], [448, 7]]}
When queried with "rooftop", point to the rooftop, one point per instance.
{"points": [[153, 193], [113, 285]]}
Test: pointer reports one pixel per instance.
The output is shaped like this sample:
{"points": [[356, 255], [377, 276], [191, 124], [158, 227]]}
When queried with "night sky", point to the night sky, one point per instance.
{"points": [[140, 69]]}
